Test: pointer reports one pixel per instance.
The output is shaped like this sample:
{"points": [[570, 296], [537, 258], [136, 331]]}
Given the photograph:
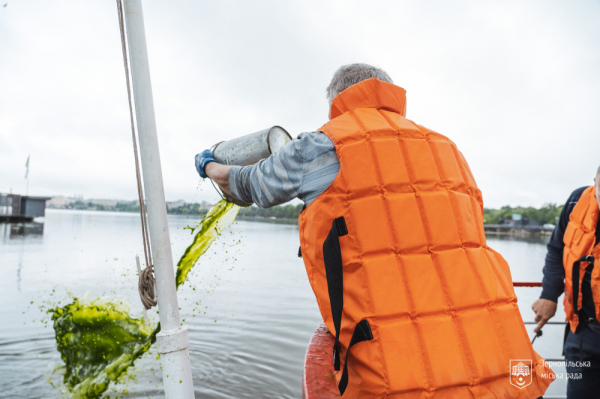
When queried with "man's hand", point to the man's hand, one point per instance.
{"points": [[203, 159], [544, 310], [207, 167], [220, 175]]}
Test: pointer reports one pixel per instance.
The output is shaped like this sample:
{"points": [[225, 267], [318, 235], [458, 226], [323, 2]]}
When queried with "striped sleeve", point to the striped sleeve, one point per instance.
{"points": [[302, 169]]}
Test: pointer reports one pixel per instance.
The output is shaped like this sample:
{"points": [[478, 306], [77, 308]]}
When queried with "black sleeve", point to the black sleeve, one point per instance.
{"points": [[553, 284]]}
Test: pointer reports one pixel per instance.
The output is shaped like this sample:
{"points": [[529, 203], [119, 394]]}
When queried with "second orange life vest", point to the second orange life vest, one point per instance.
{"points": [[397, 257], [581, 252]]}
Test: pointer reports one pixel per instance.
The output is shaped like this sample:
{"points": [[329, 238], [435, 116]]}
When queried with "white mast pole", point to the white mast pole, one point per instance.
{"points": [[172, 341]]}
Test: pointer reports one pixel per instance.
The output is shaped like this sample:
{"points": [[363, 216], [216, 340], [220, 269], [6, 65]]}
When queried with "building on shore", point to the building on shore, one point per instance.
{"points": [[21, 208]]}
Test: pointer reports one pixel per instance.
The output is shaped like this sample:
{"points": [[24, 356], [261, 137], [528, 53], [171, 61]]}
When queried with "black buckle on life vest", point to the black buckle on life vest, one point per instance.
{"points": [[590, 259], [341, 226]]}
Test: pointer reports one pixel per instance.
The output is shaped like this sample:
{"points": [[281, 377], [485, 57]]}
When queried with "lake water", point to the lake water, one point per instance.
{"points": [[248, 304]]}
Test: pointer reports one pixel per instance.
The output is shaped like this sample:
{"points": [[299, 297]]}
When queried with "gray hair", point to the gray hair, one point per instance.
{"points": [[598, 172], [351, 74]]}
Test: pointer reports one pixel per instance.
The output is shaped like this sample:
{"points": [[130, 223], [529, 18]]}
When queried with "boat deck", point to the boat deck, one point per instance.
{"points": [[318, 380]]}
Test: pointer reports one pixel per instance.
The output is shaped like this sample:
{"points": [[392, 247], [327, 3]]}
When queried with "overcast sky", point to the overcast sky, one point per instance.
{"points": [[516, 84]]}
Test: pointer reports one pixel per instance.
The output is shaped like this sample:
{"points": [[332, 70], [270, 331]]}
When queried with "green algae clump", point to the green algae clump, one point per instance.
{"points": [[98, 341], [217, 219]]}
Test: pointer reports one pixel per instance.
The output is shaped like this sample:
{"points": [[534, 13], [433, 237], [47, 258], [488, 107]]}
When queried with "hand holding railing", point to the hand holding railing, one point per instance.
{"points": [[544, 310]]}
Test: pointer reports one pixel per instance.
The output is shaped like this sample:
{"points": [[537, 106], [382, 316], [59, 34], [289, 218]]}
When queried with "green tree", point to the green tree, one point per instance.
{"points": [[546, 214]]}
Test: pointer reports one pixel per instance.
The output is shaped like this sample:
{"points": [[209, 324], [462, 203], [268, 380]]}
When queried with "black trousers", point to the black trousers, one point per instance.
{"points": [[582, 353]]}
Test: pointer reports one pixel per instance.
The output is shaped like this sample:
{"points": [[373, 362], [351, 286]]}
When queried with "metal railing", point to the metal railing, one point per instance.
{"points": [[536, 284], [561, 323]]}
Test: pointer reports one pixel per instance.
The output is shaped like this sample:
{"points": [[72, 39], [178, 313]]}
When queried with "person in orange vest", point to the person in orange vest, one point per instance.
{"points": [[573, 251], [393, 243]]}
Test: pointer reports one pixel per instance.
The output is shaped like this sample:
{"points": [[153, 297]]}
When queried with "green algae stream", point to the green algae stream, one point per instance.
{"points": [[217, 219], [98, 340]]}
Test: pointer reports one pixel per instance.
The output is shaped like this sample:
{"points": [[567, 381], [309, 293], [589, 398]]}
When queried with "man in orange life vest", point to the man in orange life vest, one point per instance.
{"points": [[573, 251], [393, 243]]}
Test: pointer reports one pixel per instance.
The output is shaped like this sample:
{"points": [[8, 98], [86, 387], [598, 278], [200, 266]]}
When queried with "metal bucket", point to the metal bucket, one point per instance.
{"points": [[249, 149]]}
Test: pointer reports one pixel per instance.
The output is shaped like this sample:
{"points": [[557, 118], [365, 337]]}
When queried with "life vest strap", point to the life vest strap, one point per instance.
{"points": [[332, 256], [362, 332], [575, 279]]}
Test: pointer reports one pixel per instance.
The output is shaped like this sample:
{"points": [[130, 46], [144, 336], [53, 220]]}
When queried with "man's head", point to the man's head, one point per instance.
{"points": [[597, 181], [349, 75]]}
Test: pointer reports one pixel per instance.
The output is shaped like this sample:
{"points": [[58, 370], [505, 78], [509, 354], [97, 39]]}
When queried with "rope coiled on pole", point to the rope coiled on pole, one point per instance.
{"points": [[146, 287], [146, 279]]}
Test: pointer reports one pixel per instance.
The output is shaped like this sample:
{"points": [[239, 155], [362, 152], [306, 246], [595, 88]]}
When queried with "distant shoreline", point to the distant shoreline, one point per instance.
{"points": [[199, 216], [490, 229], [267, 220], [514, 221]]}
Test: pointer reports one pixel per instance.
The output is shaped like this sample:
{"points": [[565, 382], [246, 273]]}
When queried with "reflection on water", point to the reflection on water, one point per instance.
{"points": [[22, 231], [26, 229]]}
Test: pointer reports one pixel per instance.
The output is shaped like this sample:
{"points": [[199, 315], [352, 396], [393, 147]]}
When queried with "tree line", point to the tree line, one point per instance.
{"points": [[547, 214], [119, 207], [277, 212]]}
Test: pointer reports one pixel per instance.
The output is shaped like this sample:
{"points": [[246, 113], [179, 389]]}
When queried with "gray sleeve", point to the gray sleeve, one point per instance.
{"points": [[271, 181]]}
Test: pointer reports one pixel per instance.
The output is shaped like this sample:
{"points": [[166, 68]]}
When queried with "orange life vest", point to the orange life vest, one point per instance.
{"points": [[396, 254], [580, 240]]}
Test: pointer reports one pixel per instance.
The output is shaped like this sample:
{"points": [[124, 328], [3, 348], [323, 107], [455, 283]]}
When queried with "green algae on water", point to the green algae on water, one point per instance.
{"points": [[217, 219], [98, 340]]}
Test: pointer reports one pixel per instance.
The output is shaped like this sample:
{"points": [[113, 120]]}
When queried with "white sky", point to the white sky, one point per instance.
{"points": [[515, 84]]}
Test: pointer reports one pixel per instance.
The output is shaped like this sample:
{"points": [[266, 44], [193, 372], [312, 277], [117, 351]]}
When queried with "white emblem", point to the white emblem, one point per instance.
{"points": [[520, 373]]}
